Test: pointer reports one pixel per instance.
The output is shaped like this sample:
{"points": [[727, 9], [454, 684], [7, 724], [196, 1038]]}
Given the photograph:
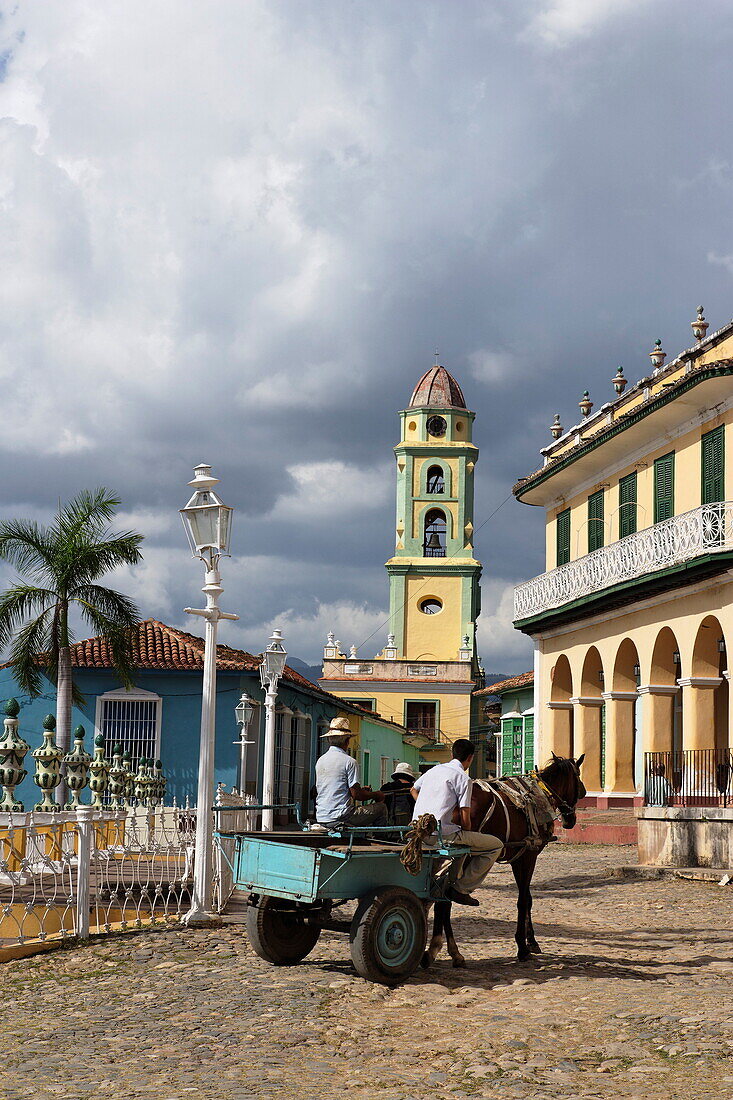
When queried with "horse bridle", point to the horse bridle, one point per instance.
{"points": [[563, 807]]}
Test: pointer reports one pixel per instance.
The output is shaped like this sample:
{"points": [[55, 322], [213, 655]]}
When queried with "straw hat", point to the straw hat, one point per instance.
{"points": [[404, 769], [339, 728]]}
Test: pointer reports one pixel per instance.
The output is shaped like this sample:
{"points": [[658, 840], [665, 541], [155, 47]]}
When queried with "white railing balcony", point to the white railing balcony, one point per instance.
{"points": [[704, 530]]}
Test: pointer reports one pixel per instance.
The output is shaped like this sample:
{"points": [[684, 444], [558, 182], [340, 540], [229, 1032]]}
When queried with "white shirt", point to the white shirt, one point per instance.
{"points": [[336, 773], [441, 790]]}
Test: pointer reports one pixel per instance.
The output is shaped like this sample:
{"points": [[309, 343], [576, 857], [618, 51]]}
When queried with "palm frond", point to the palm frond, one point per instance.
{"points": [[114, 617], [29, 643], [29, 547], [18, 603], [95, 558]]}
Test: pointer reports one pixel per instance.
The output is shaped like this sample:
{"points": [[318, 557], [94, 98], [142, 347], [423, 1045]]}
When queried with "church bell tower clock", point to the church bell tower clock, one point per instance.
{"points": [[434, 577]]}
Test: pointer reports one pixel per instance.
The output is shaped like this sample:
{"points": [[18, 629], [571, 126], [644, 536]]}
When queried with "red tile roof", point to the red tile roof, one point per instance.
{"points": [[164, 647], [525, 679]]}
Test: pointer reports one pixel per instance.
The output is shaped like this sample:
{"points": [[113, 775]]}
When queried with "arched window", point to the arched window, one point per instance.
{"points": [[434, 541], [436, 481]]}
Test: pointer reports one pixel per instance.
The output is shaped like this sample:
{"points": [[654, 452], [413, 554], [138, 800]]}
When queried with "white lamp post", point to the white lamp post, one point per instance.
{"points": [[271, 669], [243, 713], [208, 524]]}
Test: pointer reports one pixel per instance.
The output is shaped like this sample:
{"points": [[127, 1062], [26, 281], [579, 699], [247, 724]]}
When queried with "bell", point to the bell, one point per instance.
{"points": [[433, 542]]}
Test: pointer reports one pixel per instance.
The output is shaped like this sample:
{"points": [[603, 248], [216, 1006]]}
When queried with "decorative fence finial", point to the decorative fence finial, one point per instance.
{"points": [[129, 777], [99, 769], [48, 758], [117, 780], [160, 783], [12, 753], [77, 768]]}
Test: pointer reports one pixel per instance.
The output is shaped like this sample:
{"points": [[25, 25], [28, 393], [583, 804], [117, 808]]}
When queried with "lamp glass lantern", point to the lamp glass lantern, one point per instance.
{"points": [[244, 711], [207, 521], [273, 660]]}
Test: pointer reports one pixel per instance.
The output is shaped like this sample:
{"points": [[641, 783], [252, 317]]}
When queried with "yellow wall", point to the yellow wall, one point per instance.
{"points": [[454, 711], [687, 488], [433, 637]]}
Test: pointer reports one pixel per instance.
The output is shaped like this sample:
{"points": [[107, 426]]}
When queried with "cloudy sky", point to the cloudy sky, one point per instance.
{"points": [[235, 232]]}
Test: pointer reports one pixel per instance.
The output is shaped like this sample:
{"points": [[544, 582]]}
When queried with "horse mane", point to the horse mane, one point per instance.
{"points": [[558, 766]]}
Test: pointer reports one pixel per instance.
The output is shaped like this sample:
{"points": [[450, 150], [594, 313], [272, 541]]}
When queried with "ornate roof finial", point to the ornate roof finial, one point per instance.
{"points": [[556, 427], [437, 358], [699, 325], [585, 404], [657, 356], [619, 381]]}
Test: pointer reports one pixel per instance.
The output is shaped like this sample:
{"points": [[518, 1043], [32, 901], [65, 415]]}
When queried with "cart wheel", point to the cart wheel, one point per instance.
{"points": [[278, 933], [388, 935]]}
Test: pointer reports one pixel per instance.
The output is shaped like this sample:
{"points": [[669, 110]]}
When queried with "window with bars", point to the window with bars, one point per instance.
{"points": [[563, 537], [713, 476], [627, 501], [664, 487], [133, 722], [596, 523], [292, 758]]}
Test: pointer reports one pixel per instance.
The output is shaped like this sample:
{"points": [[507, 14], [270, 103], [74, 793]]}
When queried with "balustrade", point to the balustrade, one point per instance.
{"points": [[707, 529]]}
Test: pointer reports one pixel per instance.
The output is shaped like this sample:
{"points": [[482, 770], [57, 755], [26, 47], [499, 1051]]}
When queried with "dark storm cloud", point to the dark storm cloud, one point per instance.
{"points": [[236, 234]]}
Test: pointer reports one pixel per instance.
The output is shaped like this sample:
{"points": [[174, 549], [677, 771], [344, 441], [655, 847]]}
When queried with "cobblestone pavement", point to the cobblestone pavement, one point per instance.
{"points": [[632, 998]]}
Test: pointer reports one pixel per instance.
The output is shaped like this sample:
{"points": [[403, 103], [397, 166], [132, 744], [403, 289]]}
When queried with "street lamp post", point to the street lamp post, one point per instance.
{"points": [[271, 669], [243, 713], [208, 524]]}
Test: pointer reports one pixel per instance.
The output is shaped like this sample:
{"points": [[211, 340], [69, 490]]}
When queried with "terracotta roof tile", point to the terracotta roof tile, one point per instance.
{"points": [[158, 646], [525, 679]]}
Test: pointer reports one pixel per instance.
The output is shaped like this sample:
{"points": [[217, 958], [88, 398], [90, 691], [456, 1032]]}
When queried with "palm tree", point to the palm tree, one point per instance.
{"points": [[63, 562]]}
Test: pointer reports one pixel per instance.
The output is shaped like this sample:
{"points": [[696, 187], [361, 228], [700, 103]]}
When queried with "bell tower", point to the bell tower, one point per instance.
{"points": [[434, 578]]}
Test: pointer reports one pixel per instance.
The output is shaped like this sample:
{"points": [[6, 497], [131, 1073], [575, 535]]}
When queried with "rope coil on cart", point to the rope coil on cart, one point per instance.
{"points": [[411, 855]]}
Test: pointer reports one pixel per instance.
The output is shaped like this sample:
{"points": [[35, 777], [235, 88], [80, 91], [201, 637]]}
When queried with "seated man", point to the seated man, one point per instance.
{"points": [[337, 784], [399, 801], [440, 792]]}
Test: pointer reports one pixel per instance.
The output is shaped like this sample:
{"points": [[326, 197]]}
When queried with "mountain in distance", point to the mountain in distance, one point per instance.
{"points": [[312, 672]]}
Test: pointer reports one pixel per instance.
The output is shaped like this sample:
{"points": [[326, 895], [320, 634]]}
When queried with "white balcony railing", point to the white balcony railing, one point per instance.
{"points": [[704, 530]]}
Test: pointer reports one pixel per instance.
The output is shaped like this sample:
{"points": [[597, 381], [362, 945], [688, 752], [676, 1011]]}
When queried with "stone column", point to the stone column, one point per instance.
{"points": [[557, 730], [587, 722], [698, 711], [657, 716], [619, 742]]}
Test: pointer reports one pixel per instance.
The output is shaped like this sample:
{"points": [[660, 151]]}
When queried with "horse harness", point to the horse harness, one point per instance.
{"points": [[534, 799]]}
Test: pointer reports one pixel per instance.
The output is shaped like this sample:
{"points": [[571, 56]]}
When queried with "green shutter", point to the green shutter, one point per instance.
{"points": [[627, 500], [365, 769], [595, 521], [603, 747], [528, 743], [506, 748], [713, 478], [563, 537], [516, 767], [664, 487]]}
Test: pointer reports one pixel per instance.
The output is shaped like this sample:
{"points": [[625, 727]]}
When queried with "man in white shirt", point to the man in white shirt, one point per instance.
{"points": [[338, 787], [441, 791]]}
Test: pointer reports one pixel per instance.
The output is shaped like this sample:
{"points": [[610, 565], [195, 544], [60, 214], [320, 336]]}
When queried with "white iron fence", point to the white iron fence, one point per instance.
{"points": [[73, 873], [704, 530], [233, 814]]}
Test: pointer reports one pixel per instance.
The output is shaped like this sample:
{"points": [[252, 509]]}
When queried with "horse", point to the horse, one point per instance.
{"points": [[561, 783]]}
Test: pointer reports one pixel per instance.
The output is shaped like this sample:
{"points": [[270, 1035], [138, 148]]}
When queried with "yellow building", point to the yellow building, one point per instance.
{"points": [[632, 619], [425, 675]]}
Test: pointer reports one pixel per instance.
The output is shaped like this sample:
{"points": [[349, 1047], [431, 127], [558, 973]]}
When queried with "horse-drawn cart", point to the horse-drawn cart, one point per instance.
{"points": [[297, 881]]}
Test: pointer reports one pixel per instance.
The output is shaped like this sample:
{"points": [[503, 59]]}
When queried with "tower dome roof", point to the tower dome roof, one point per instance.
{"points": [[437, 389]]}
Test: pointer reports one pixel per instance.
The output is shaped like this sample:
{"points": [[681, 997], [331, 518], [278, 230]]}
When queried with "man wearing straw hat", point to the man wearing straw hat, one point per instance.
{"points": [[338, 787]]}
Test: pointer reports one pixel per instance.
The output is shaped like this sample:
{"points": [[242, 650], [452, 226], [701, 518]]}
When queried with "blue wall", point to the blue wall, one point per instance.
{"points": [[181, 721]]}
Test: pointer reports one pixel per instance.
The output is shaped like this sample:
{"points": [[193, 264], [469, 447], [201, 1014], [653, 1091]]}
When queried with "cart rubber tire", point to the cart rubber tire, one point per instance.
{"points": [[388, 935], [279, 934]]}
